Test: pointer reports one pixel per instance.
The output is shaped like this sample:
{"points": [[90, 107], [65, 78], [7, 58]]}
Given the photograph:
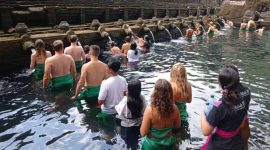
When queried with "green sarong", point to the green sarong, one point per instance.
{"points": [[199, 37], [78, 65], [62, 82], [211, 33], [159, 139], [90, 93], [251, 29], [39, 72], [183, 110]]}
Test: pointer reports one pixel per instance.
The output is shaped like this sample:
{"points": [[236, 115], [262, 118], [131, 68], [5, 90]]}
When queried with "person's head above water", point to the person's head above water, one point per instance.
{"points": [[127, 39], [228, 78], [58, 46], [114, 65], [86, 49], [73, 38], [134, 100], [162, 96], [94, 50], [133, 46]]}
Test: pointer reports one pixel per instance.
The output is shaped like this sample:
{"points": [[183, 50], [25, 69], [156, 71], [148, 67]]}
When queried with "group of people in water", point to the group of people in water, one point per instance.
{"points": [[226, 124], [199, 31]]}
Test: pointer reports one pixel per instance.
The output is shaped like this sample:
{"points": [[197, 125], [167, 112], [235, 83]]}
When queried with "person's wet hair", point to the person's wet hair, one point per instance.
{"points": [[58, 45], [40, 47], [134, 100], [95, 50], [114, 64], [73, 38], [162, 97], [229, 80], [133, 46], [127, 39], [86, 49]]}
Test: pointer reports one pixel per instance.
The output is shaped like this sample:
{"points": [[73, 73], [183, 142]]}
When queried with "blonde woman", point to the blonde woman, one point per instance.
{"points": [[38, 59], [182, 92]]}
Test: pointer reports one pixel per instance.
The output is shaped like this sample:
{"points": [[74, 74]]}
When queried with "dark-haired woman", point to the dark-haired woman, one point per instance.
{"points": [[133, 53], [38, 59], [146, 44], [228, 115], [159, 119], [130, 111]]}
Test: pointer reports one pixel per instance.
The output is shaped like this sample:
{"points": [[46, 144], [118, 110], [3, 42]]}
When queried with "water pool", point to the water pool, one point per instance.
{"points": [[33, 119]]}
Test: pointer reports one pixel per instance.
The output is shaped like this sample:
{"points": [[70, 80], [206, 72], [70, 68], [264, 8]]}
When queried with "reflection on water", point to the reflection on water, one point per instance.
{"points": [[32, 118]]}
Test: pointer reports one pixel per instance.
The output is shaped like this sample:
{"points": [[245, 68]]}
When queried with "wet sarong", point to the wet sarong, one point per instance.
{"points": [[159, 139], [62, 83], [90, 93], [39, 72], [211, 33], [78, 65], [183, 110]]}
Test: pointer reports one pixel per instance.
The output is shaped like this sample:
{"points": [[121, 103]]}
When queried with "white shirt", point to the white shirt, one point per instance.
{"points": [[124, 113], [132, 57], [112, 92]]}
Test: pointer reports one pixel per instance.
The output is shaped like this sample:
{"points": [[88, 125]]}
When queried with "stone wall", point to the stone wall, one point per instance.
{"points": [[44, 13]]}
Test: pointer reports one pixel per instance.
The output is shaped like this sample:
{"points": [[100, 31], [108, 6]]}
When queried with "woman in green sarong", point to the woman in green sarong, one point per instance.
{"points": [[211, 29], [160, 118], [182, 92], [38, 59]]}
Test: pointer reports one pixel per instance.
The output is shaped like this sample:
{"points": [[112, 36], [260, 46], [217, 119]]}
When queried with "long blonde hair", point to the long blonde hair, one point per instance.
{"points": [[179, 80]]}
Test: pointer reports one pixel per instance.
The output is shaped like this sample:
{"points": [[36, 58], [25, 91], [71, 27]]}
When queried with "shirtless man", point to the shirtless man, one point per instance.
{"points": [[126, 47], [59, 68], [76, 52], [229, 24], [251, 26], [243, 25], [114, 49], [189, 32], [93, 73]]}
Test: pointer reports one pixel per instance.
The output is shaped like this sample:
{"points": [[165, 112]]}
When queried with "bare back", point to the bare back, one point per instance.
{"points": [[39, 59], [76, 52], [125, 48], [94, 73], [60, 65]]}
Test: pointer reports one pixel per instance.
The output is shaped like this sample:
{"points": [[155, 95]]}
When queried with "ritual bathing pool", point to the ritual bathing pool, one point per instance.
{"points": [[33, 119]]}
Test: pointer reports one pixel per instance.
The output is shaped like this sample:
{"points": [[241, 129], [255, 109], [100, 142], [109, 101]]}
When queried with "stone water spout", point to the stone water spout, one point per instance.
{"points": [[127, 29], [95, 24], [120, 22], [102, 32], [160, 26], [154, 20], [63, 26], [142, 25]]}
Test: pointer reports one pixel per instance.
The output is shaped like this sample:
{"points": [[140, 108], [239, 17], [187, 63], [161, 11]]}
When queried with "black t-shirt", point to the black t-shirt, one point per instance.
{"points": [[220, 117]]}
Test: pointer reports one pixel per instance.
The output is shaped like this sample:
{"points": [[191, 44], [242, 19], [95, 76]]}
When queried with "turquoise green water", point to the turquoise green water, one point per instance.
{"points": [[33, 119]]}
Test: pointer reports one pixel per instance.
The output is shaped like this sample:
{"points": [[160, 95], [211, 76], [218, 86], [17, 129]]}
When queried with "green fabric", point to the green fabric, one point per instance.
{"points": [[78, 65], [90, 93], [103, 115], [251, 29], [211, 33], [39, 71], [243, 29], [199, 37], [159, 139], [62, 82], [189, 39], [183, 110]]}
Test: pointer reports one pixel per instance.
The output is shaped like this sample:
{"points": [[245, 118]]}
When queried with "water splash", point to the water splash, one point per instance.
{"points": [[203, 29], [33, 50], [180, 31], [152, 36], [168, 33], [110, 39], [219, 25]]}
